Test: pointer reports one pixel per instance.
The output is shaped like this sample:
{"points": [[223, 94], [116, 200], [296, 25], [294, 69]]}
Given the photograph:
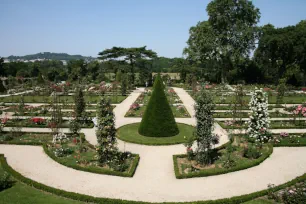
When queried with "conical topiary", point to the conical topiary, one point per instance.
{"points": [[158, 119]]}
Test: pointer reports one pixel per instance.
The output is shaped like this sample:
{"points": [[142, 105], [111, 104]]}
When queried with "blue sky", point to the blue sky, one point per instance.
{"points": [[89, 26]]}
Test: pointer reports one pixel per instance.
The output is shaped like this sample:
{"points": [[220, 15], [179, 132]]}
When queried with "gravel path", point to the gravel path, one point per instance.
{"points": [[157, 184], [154, 180]]}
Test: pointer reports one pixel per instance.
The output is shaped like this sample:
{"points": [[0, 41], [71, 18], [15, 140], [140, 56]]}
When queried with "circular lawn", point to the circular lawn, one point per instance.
{"points": [[129, 133]]}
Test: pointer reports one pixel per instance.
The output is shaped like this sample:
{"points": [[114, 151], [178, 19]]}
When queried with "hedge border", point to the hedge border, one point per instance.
{"points": [[271, 127], [102, 171], [91, 125], [153, 144], [96, 171], [218, 171], [86, 198], [189, 116]]}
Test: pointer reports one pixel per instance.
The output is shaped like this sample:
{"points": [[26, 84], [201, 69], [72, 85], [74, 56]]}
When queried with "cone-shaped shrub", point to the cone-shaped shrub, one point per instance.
{"points": [[158, 119]]}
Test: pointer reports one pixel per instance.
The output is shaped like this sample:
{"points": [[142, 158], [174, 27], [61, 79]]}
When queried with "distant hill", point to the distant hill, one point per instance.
{"points": [[49, 55]]}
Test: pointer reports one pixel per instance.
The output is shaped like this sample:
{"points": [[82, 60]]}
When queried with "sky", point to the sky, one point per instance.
{"points": [[89, 26]]}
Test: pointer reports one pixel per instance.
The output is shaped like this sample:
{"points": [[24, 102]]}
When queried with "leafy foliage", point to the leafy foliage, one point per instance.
{"points": [[106, 132], [158, 119], [205, 123]]}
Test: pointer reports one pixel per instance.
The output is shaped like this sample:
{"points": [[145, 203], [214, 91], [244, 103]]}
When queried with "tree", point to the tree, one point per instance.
{"points": [[204, 128], [75, 127], [130, 55], [2, 88], [124, 84], [80, 104], [118, 76], [158, 119], [281, 50], [106, 132], [258, 123], [229, 33], [40, 79], [2, 71], [281, 89]]}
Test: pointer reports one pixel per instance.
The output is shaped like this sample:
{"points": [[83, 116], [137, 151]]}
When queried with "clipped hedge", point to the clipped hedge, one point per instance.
{"points": [[98, 171], [158, 119], [86, 198], [12, 124], [130, 173], [213, 172]]}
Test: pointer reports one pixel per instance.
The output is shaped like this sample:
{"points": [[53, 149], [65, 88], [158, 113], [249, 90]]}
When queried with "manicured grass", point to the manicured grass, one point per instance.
{"points": [[229, 107], [246, 115], [65, 98], [294, 99], [28, 123], [284, 124], [25, 137], [20, 193], [48, 114], [261, 201], [129, 133]]}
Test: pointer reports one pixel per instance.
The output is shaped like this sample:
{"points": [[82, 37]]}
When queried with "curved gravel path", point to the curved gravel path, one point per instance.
{"points": [[154, 180], [156, 184]]}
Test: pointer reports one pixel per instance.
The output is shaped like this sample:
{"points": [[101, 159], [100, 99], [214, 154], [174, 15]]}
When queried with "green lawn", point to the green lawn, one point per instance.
{"points": [[29, 123], [25, 137], [246, 115], [260, 201], [66, 99], [20, 193], [284, 124], [294, 99], [129, 133]]}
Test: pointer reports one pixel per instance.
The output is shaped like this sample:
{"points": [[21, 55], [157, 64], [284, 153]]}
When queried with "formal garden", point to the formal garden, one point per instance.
{"points": [[224, 124]]}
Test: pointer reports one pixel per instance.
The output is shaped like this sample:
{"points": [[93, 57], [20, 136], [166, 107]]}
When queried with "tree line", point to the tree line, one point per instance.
{"points": [[229, 47]]}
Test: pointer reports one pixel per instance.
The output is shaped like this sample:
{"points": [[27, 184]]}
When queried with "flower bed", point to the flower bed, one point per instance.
{"points": [[284, 124], [46, 124]]}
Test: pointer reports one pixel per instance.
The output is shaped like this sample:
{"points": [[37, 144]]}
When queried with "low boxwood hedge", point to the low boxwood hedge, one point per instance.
{"points": [[98, 171], [86, 198], [213, 172]]}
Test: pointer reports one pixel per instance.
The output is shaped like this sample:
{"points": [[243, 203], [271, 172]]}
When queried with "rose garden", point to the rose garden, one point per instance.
{"points": [[115, 132]]}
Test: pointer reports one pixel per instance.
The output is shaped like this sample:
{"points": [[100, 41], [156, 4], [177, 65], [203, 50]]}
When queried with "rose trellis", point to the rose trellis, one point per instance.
{"points": [[106, 133], [258, 123]]}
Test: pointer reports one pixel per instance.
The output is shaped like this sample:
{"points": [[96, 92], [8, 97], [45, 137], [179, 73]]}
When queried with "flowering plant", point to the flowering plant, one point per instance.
{"points": [[300, 110], [38, 121], [284, 134], [134, 106], [258, 123]]}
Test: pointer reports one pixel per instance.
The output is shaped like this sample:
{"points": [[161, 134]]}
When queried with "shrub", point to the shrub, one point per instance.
{"points": [[158, 119], [61, 152], [251, 152], [5, 181]]}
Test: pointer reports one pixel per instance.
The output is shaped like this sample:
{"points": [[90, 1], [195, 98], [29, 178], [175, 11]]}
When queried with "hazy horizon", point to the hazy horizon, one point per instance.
{"points": [[87, 27]]}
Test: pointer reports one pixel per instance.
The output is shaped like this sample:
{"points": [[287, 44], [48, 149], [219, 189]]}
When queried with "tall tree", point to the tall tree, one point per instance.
{"points": [[129, 55], [229, 33], [80, 104], [2, 71], [281, 52]]}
